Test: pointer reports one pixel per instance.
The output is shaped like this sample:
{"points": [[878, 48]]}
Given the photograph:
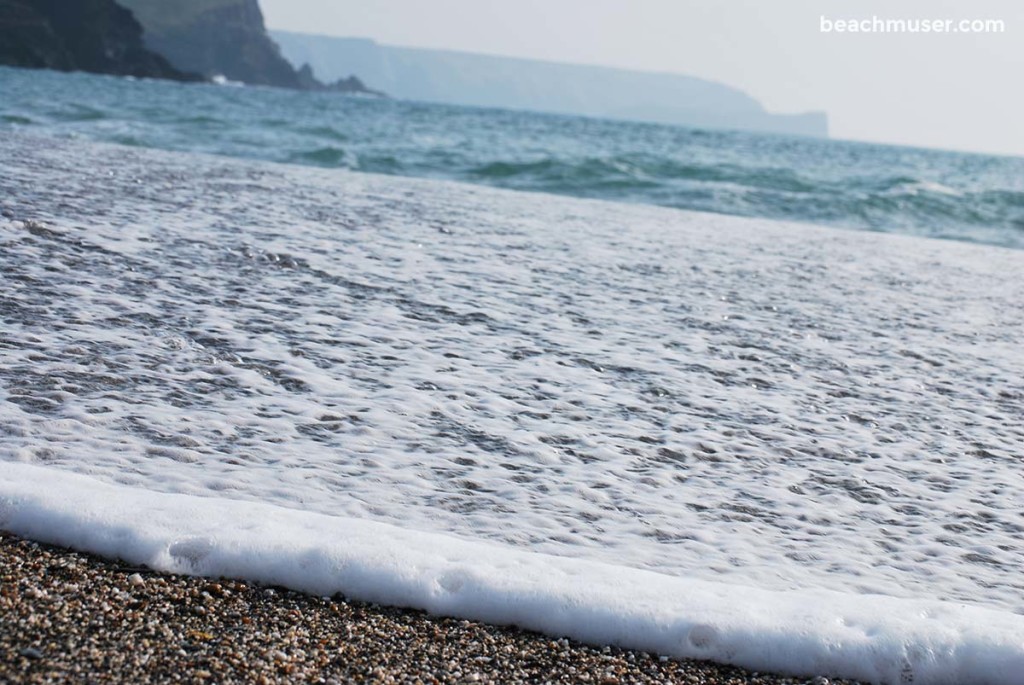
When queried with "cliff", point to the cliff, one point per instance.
{"points": [[487, 81], [97, 36], [224, 38], [215, 38]]}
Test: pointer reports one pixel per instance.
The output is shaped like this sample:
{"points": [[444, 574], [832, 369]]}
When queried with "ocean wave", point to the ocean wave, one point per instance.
{"points": [[328, 132], [76, 112], [635, 171], [900, 203], [973, 198], [869, 638], [326, 156], [200, 120]]}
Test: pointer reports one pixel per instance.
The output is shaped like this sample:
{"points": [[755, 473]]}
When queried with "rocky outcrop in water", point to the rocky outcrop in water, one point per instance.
{"points": [[97, 36]]}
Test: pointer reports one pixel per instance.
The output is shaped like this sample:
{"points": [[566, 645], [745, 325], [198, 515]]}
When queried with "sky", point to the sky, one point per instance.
{"points": [[953, 91]]}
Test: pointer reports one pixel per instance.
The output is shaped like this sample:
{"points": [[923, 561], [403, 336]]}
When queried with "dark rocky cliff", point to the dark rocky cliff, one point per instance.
{"points": [[98, 36], [215, 38], [223, 38]]}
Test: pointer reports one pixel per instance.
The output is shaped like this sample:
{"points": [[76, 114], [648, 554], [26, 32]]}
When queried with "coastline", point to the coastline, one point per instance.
{"points": [[122, 232], [69, 616]]}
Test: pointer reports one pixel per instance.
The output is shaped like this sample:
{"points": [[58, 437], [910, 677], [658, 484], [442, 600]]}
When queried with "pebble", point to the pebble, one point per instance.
{"points": [[253, 634]]}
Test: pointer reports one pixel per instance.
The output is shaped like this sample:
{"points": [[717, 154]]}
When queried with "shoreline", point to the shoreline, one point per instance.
{"points": [[69, 616], [121, 336]]}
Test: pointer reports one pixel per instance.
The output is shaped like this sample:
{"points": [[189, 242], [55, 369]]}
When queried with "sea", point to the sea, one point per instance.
{"points": [[722, 395], [929, 193]]}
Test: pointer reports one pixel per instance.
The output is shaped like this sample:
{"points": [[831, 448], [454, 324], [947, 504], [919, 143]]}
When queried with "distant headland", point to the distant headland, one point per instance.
{"points": [[463, 78]]}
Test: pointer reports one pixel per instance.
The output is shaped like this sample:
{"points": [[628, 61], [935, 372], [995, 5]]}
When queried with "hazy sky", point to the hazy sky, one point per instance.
{"points": [[958, 91]]}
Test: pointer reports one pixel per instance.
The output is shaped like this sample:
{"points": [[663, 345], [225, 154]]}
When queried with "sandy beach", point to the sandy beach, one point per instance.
{"points": [[71, 617]]}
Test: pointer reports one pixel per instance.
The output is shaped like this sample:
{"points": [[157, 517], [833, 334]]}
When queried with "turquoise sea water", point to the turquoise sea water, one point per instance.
{"points": [[975, 198]]}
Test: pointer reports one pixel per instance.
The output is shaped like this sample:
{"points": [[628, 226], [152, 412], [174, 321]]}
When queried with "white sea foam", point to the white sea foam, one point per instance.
{"points": [[868, 637], [739, 431]]}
